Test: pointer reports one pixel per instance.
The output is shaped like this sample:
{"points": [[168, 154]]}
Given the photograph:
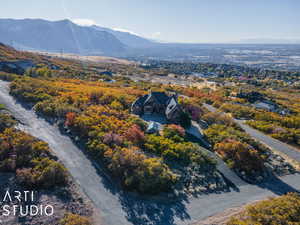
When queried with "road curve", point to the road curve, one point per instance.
{"points": [[271, 142], [118, 207], [265, 139]]}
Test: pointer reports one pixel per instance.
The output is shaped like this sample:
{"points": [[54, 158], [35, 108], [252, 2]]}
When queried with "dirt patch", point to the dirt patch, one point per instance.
{"points": [[94, 59]]}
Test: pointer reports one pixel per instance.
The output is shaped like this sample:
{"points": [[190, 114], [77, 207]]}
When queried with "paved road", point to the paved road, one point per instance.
{"points": [[226, 171], [197, 131], [265, 139], [271, 142], [122, 208]]}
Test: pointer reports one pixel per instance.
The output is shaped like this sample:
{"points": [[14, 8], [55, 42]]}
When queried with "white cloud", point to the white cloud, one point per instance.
{"points": [[89, 22], [84, 22], [156, 34], [124, 30]]}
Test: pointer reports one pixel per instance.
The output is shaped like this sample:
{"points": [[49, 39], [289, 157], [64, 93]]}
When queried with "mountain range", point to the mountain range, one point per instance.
{"points": [[69, 37], [66, 36]]}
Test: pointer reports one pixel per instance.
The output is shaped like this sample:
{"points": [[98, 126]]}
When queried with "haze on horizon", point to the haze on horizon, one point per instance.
{"points": [[190, 21]]}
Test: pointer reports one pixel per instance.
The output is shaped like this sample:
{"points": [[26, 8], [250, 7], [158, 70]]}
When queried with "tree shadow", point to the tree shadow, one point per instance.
{"points": [[149, 211], [145, 209], [231, 185], [277, 186], [24, 104], [161, 209]]}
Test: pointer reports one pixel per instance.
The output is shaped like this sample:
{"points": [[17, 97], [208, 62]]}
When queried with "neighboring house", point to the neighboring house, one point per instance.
{"points": [[251, 96], [106, 72], [158, 103], [271, 107], [265, 106], [18, 67]]}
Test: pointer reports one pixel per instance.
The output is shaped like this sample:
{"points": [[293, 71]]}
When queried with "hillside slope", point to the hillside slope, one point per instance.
{"points": [[129, 39], [57, 36]]}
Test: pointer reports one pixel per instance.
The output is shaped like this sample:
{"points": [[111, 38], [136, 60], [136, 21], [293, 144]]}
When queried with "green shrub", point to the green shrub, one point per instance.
{"points": [[182, 152], [74, 219], [31, 159], [284, 210], [45, 173], [6, 121], [8, 76], [240, 156], [174, 132], [154, 176]]}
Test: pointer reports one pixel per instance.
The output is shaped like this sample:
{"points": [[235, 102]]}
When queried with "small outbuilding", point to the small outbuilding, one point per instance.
{"points": [[152, 128]]}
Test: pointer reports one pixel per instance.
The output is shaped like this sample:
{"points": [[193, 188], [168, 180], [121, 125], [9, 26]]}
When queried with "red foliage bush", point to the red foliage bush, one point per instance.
{"points": [[135, 135], [70, 119], [112, 139]]}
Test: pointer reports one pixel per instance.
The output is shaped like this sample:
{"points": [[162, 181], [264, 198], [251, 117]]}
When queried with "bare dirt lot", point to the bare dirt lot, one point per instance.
{"points": [[94, 59]]}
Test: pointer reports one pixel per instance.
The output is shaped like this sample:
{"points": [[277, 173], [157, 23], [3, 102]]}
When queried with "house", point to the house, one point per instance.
{"points": [[271, 107], [265, 106], [251, 96], [158, 103], [106, 72], [18, 67]]}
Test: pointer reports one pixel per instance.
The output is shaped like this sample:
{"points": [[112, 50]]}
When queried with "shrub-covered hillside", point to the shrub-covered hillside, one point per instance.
{"points": [[283, 210], [27, 163], [28, 157], [97, 114]]}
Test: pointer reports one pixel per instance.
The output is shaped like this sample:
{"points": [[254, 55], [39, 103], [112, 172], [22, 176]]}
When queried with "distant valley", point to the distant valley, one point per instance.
{"points": [[65, 37]]}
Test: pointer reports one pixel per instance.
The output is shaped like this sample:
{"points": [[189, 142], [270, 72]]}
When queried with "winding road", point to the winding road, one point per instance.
{"points": [[122, 208], [286, 149]]}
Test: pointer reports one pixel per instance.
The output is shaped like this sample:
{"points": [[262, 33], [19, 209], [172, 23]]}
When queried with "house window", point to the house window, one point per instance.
{"points": [[148, 109]]}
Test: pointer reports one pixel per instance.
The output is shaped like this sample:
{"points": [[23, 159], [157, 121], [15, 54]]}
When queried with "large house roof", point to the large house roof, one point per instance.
{"points": [[160, 97], [141, 100]]}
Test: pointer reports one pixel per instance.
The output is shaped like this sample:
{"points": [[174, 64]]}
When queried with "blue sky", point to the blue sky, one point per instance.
{"points": [[173, 20]]}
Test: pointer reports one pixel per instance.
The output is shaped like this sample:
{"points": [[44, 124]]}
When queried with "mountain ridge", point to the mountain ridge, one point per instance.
{"points": [[56, 36], [127, 38]]}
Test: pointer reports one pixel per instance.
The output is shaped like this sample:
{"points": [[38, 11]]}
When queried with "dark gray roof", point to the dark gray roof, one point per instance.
{"points": [[141, 100], [160, 97]]}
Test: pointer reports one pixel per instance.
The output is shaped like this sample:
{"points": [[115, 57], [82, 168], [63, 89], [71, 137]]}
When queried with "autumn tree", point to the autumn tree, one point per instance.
{"points": [[135, 135], [70, 119], [174, 132], [45, 173], [240, 156], [112, 139], [95, 96]]}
